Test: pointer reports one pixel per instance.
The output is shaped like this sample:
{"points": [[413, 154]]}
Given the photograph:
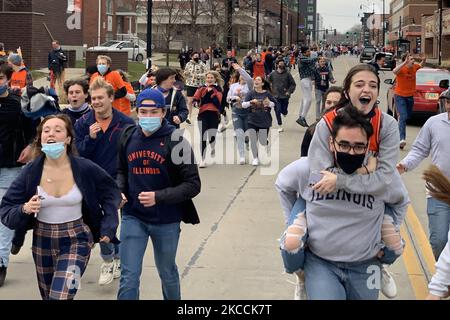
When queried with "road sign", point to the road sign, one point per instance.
{"points": [[301, 26]]}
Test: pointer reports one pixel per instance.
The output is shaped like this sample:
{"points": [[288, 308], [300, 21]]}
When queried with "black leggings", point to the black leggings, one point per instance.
{"points": [[208, 121]]}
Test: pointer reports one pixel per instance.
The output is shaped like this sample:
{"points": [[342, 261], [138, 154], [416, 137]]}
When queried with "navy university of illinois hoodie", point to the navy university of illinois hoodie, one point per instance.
{"points": [[147, 171]]}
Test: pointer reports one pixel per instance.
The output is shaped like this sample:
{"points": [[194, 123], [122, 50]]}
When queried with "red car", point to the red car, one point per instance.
{"points": [[427, 92]]}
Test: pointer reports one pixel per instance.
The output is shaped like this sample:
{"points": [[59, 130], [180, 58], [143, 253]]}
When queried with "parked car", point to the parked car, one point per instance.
{"points": [[367, 54], [389, 62], [429, 85], [137, 51]]}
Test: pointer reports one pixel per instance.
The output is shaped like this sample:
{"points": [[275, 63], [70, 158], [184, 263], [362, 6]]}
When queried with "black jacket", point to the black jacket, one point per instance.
{"points": [[56, 60], [16, 131], [101, 197]]}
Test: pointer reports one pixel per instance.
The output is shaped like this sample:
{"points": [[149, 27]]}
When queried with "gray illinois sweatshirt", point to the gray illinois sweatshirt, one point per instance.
{"points": [[342, 226]]}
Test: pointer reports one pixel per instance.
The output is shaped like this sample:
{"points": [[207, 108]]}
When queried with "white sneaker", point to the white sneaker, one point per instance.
{"points": [[242, 160], [300, 290], [117, 269], [280, 129], [388, 286], [255, 162], [106, 273], [202, 164], [402, 144], [221, 127]]}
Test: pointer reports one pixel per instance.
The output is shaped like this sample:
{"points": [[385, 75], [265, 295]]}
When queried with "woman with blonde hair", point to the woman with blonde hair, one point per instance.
{"points": [[208, 99]]}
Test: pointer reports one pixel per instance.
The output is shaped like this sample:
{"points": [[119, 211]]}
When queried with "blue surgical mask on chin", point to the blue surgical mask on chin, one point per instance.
{"points": [[102, 68], [3, 88], [53, 150], [150, 124]]}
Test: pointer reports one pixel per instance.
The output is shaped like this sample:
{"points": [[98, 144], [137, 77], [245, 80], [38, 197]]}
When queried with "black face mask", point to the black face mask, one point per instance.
{"points": [[196, 59], [349, 162]]}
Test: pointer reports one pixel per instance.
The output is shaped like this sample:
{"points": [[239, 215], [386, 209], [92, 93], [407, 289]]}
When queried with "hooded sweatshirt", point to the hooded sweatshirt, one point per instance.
{"points": [[342, 226], [147, 171]]}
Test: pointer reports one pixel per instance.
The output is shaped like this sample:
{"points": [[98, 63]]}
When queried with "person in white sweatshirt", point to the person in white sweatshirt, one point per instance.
{"points": [[433, 139], [439, 187]]}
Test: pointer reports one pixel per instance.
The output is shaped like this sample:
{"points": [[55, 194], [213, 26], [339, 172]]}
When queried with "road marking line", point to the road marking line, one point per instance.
{"points": [[421, 240], [413, 267]]}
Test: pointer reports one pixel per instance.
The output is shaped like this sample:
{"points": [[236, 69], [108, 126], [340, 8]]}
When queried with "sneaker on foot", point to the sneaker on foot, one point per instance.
{"points": [[242, 160], [2, 275], [221, 128], [117, 269], [388, 286], [15, 249], [188, 121], [402, 144], [300, 290], [106, 273], [302, 121], [280, 129], [202, 164], [255, 162]]}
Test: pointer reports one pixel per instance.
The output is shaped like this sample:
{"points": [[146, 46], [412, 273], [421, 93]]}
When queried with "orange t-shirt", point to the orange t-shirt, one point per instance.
{"points": [[263, 56], [114, 79], [259, 70], [406, 81], [19, 79], [104, 123], [123, 104]]}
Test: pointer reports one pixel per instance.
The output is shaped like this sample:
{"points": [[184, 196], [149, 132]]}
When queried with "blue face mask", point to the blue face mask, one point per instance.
{"points": [[150, 124], [53, 150], [102, 68], [3, 89]]}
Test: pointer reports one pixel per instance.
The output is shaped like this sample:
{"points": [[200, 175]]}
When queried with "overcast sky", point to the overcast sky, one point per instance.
{"points": [[343, 14]]}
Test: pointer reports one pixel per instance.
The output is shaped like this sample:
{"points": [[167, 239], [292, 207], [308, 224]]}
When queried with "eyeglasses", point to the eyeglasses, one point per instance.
{"points": [[346, 147]]}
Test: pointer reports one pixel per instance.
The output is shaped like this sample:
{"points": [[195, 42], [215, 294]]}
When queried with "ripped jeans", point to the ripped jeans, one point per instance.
{"points": [[294, 260]]}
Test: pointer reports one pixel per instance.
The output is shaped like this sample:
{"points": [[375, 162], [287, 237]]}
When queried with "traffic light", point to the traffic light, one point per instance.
{"points": [[347, 34], [326, 31], [235, 4], [335, 32]]}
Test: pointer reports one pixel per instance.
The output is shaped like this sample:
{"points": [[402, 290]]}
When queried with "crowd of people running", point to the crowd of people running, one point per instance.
{"points": [[343, 200]]}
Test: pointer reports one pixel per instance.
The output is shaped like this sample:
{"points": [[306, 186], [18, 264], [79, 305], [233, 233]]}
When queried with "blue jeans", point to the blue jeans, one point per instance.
{"points": [[328, 280], [438, 223], [404, 107], [134, 236], [240, 124], [7, 176], [109, 251], [281, 109]]}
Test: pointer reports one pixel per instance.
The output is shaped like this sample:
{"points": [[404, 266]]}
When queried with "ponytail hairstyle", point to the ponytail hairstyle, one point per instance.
{"points": [[437, 184]]}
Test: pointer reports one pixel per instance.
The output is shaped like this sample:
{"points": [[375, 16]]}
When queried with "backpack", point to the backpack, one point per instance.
{"points": [[189, 214]]}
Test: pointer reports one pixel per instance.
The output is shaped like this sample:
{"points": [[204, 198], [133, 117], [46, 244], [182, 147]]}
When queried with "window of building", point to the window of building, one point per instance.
{"points": [[310, 18], [109, 7], [310, 26], [310, 9], [310, 1]]}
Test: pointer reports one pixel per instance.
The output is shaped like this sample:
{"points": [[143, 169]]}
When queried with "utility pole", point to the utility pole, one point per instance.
{"points": [[440, 32], [281, 23], [257, 26], [384, 25], [149, 34], [298, 21], [229, 13]]}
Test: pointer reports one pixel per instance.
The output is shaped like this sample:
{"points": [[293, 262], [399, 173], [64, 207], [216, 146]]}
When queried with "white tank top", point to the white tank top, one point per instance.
{"points": [[60, 210]]}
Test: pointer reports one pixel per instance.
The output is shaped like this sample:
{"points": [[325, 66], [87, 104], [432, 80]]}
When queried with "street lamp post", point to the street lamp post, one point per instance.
{"points": [[298, 21], [257, 25], [440, 33], [281, 23], [149, 34], [384, 25]]}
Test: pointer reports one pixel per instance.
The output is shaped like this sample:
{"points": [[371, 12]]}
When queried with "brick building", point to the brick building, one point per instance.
{"points": [[77, 24], [405, 23], [430, 35]]}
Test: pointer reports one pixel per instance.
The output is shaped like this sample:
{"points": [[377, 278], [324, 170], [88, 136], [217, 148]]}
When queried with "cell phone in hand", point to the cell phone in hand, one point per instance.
{"points": [[314, 177]]}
